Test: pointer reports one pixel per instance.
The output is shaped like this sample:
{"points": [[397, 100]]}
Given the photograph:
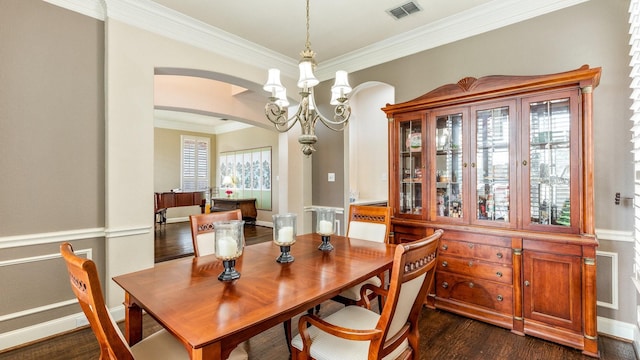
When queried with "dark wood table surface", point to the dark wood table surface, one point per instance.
{"points": [[211, 317]]}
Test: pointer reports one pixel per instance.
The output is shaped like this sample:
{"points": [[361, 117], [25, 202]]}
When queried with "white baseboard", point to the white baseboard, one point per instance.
{"points": [[43, 330], [617, 328]]}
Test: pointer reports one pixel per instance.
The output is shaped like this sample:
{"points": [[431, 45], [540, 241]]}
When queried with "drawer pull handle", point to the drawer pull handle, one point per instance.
{"points": [[445, 264], [470, 263], [499, 274], [526, 283], [444, 247], [445, 284], [471, 285], [499, 298], [524, 162], [499, 255], [470, 245]]}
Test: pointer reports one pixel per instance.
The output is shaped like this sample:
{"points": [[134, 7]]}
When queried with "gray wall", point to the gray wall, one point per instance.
{"points": [[51, 151]]}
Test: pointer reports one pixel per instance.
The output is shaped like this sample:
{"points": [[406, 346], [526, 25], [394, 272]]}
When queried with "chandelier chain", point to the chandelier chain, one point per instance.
{"points": [[308, 43]]}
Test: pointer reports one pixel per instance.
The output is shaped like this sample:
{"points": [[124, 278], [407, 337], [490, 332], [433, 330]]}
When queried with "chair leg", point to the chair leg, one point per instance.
{"points": [[287, 333]]}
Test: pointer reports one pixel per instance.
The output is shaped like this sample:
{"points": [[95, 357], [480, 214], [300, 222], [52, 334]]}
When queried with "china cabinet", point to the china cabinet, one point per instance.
{"points": [[504, 164]]}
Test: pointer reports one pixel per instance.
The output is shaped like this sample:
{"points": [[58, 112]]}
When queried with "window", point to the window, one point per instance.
{"points": [[250, 172], [195, 174]]}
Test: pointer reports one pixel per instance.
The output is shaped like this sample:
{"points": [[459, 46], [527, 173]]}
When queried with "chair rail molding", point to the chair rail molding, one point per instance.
{"points": [[50, 237], [615, 235]]}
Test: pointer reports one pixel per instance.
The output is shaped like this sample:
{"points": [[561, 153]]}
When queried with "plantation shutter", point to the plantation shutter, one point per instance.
{"points": [[195, 163]]}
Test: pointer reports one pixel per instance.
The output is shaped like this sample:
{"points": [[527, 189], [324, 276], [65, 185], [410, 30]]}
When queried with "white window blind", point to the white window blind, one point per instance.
{"points": [[195, 163], [634, 32]]}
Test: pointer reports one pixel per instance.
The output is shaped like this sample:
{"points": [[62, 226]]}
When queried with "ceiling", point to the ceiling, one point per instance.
{"points": [[357, 27], [349, 35]]}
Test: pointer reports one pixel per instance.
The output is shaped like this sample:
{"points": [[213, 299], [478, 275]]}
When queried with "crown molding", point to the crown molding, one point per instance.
{"points": [[91, 8], [150, 16], [475, 21]]}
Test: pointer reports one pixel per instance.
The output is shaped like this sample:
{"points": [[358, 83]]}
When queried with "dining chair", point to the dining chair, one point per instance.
{"points": [[202, 232], [368, 223], [85, 284], [357, 332]]}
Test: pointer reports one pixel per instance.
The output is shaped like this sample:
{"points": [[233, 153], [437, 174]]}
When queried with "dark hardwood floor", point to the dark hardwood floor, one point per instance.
{"points": [[443, 335], [173, 240]]}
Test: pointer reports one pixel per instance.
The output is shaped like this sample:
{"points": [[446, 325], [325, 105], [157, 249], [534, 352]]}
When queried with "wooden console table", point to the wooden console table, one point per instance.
{"points": [[246, 206]]}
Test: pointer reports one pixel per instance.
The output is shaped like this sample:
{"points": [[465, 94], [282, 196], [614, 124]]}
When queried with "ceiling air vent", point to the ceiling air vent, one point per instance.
{"points": [[404, 10]]}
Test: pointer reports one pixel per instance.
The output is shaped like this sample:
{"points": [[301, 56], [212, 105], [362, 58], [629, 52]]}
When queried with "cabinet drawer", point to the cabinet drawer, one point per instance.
{"points": [[488, 294], [490, 253], [476, 268]]}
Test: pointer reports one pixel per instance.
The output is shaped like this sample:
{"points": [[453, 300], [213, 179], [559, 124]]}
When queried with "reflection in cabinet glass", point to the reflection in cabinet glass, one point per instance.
{"points": [[449, 165], [411, 167], [492, 162], [550, 154]]}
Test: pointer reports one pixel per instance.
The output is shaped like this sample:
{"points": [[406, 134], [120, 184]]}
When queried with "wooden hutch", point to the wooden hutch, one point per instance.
{"points": [[504, 164]]}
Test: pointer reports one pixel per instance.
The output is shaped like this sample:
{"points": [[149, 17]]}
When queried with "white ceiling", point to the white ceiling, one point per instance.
{"points": [[336, 27], [357, 28]]}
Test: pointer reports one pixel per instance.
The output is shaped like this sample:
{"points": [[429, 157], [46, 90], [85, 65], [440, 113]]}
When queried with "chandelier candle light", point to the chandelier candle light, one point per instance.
{"points": [[284, 235], [307, 114], [229, 244]]}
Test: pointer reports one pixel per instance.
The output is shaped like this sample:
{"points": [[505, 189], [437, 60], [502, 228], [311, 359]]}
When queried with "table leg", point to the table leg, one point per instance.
{"points": [[209, 352], [133, 320]]}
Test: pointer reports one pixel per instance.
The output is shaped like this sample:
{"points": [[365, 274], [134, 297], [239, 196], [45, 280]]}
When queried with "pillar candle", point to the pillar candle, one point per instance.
{"points": [[227, 248], [325, 227], [285, 235]]}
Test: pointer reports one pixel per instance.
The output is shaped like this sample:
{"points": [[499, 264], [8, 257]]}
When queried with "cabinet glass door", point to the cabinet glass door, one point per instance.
{"points": [[411, 167], [549, 157], [493, 155], [448, 166]]}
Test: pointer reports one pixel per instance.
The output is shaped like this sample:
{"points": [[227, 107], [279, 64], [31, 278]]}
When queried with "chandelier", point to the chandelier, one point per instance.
{"points": [[307, 114]]}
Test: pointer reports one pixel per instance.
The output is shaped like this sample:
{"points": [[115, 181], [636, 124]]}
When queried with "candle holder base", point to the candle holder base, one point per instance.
{"points": [[230, 273], [326, 245], [285, 255]]}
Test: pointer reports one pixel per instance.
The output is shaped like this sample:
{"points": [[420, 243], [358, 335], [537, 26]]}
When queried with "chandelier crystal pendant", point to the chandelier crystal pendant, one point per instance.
{"points": [[276, 109]]}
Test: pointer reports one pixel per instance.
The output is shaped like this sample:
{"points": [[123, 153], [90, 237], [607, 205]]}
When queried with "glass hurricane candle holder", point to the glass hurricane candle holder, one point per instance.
{"points": [[284, 235], [229, 244], [325, 218]]}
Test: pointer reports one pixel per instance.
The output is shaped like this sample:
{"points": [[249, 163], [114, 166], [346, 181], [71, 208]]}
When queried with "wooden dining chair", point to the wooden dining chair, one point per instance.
{"points": [[85, 284], [202, 232], [368, 223], [357, 332]]}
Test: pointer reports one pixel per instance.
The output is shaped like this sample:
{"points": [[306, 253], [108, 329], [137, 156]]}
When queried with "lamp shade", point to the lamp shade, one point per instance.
{"points": [[307, 79], [227, 181], [273, 84], [341, 86]]}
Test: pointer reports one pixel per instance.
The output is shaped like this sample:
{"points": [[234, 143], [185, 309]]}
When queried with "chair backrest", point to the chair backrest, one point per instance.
{"points": [[202, 232], [85, 283], [369, 222], [411, 277]]}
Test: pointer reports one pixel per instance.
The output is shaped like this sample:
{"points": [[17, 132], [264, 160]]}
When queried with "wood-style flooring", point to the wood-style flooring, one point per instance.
{"points": [[173, 240], [443, 335]]}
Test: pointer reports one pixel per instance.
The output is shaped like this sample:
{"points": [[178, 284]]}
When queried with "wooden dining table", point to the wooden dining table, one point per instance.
{"points": [[211, 317]]}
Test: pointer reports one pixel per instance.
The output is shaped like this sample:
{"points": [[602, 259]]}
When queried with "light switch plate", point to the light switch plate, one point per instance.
{"points": [[331, 177]]}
